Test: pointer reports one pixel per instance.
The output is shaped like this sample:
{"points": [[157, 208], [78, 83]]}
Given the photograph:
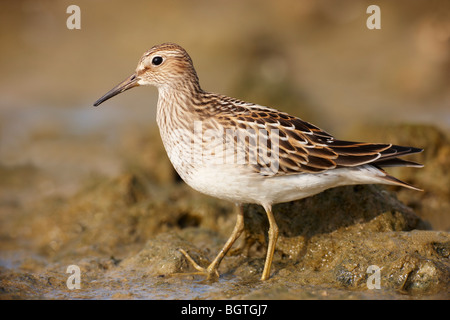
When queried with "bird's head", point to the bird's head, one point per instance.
{"points": [[167, 65]]}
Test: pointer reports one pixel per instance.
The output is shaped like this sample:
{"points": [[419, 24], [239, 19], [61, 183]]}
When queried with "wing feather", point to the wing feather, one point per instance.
{"points": [[288, 145]]}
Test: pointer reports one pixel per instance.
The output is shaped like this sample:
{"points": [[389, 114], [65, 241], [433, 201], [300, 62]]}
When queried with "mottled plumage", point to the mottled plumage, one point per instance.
{"points": [[247, 153]]}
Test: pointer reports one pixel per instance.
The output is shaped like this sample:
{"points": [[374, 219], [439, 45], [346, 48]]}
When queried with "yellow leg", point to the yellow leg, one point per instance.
{"points": [[273, 236], [212, 271]]}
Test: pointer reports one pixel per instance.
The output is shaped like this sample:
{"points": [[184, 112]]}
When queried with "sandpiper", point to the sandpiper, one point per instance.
{"points": [[247, 153]]}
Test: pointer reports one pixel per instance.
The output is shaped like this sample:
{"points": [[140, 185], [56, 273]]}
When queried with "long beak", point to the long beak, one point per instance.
{"points": [[128, 83]]}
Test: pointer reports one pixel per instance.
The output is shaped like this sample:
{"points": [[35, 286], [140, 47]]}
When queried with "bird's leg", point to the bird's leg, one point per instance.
{"points": [[273, 236], [211, 270]]}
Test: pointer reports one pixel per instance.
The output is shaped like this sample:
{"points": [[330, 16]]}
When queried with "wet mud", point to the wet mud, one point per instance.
{"points": [[89, 194], [124, 234]]}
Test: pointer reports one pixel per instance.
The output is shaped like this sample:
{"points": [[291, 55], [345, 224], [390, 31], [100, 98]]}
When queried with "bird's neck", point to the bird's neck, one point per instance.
{"points": [[175, 101]]}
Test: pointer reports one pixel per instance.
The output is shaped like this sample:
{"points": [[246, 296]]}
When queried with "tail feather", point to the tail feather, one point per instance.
{"points": [[389, 158], [397, 163], [396, 151], [352, 154], [394, 181]]}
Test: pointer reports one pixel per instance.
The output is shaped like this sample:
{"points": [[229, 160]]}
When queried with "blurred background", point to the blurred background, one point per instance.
{"points": [[93, 185], [314, 59]]}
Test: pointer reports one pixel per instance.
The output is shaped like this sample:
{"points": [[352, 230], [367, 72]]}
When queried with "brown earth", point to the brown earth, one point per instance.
{"points": [[124, 233]]}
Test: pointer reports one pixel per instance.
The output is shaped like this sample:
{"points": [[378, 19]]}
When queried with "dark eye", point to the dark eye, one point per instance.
{"points": [[156, 61]]}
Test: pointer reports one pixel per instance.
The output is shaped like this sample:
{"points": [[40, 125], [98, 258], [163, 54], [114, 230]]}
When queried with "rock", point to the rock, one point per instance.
{"points": [[160, 256], [408, 262]]}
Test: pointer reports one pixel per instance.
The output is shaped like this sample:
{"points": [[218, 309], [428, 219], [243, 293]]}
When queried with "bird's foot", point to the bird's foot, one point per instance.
{"points": [[211, 271]]}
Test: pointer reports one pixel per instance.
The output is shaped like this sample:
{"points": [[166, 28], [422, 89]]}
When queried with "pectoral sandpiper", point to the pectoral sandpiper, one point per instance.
{"points": [[247, 153]]}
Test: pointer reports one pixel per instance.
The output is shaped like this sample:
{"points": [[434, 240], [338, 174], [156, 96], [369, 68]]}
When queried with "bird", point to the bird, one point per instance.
{"points": [[248, 153]]}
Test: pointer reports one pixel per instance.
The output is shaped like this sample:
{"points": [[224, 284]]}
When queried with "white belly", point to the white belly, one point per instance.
{"points": [[226, 182]]}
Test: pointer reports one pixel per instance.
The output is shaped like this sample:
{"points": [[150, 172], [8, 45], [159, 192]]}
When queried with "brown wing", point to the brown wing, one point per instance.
{"points": [[280, 144]]}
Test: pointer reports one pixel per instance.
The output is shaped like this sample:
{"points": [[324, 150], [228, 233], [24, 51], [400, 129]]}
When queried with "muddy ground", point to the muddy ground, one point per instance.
{"points": [[92, 188], [124, 233]]}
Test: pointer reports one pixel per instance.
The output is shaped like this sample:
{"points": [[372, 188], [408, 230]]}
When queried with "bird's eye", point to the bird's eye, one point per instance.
{"points": [[156, 61]]}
